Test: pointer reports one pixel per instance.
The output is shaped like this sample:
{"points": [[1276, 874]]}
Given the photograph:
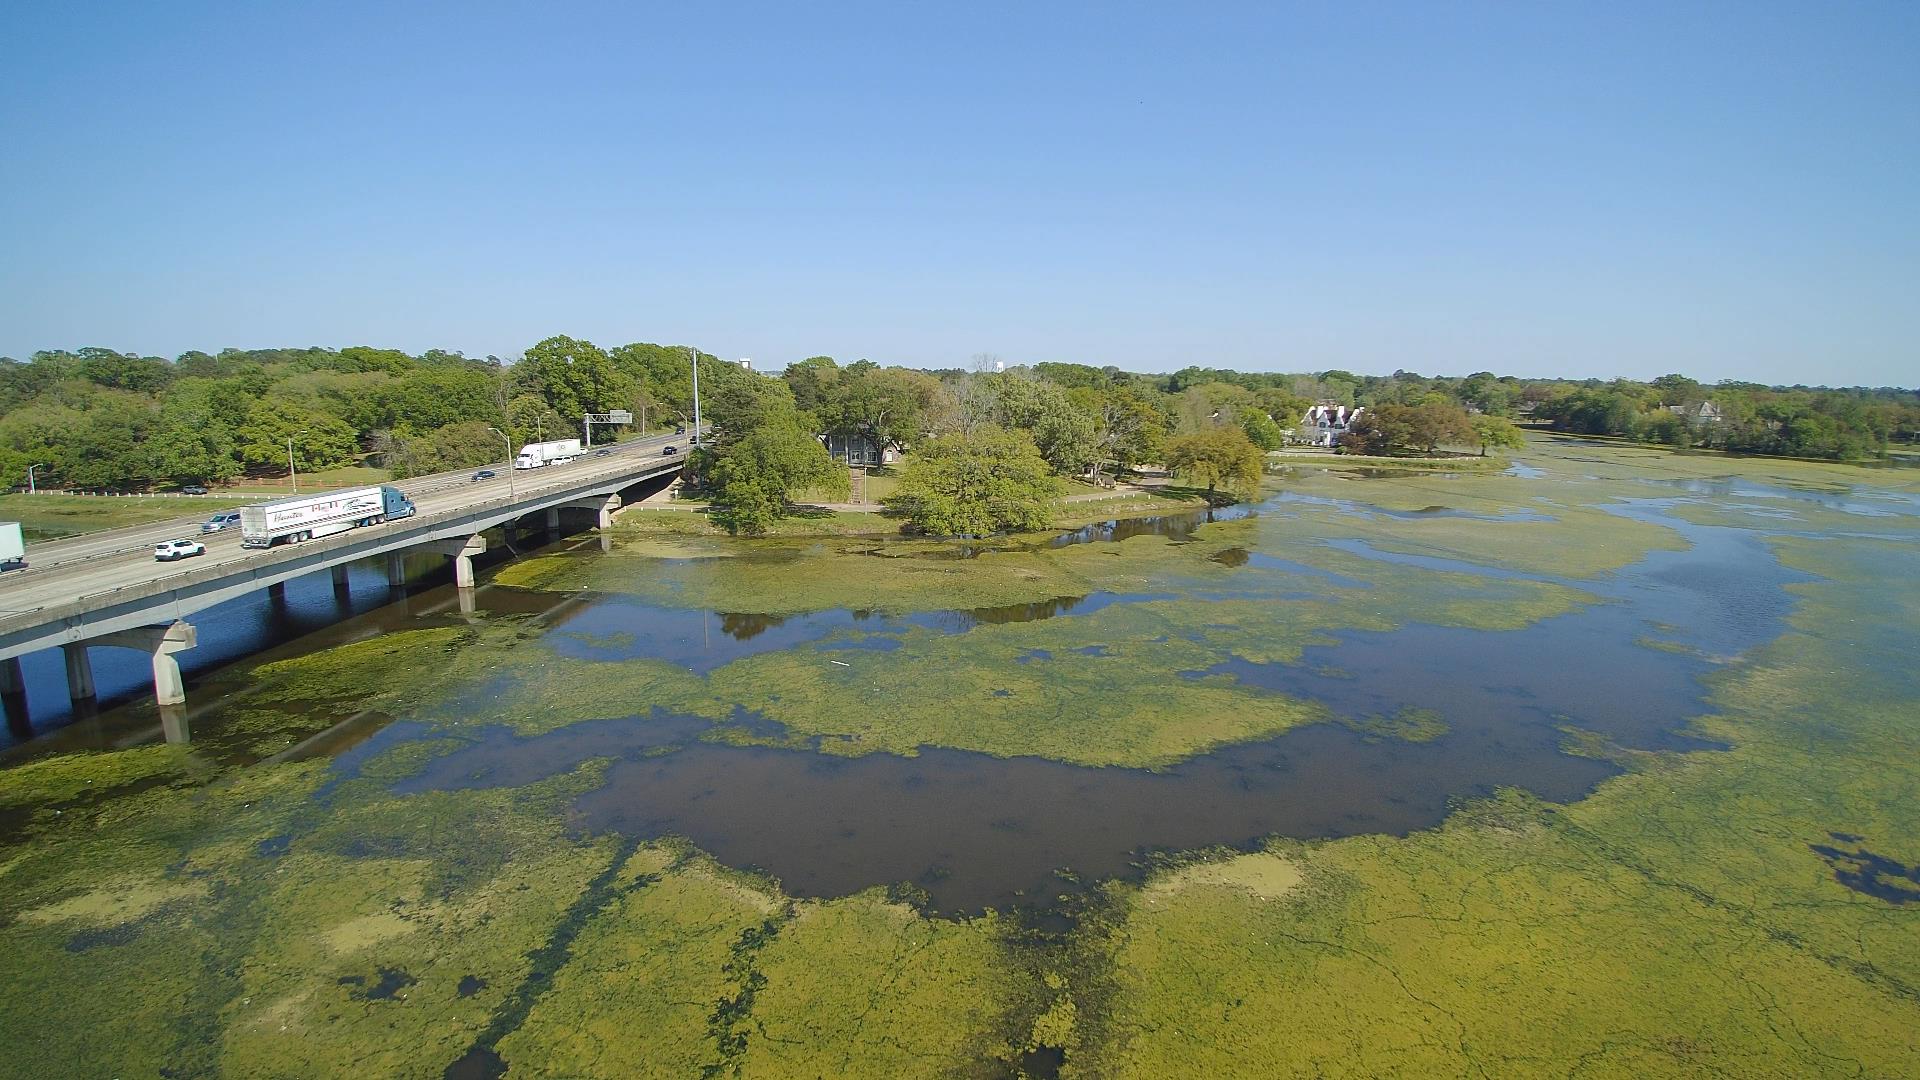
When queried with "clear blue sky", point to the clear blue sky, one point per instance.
{"points": [[1728, 190]]}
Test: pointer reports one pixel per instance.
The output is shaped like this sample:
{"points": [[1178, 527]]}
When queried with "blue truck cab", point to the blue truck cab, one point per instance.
{"points": [[394, 503]]}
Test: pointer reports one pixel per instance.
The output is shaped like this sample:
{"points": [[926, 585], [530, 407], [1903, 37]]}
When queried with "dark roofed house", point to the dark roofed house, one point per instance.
{"points": [[859, 450]]}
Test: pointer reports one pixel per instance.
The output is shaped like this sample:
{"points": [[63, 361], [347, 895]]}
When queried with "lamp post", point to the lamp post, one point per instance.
{"points": [[30, 488], [694, 355], [293, 475], [508, 439]]}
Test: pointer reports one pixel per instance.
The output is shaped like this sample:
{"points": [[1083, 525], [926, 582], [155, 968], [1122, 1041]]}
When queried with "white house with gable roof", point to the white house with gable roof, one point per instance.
{"points": [[1326, 422]]}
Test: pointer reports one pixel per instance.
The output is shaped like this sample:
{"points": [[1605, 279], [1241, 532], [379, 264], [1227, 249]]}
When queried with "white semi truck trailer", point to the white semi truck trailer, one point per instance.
{"points": [[539, 455], [309, 517], [13, 546]]}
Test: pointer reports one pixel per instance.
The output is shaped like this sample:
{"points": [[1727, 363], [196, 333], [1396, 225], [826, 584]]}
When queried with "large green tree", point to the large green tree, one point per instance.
{"points": [[113, 447], [575, 377], [753, 477], [1498, 433], [466, 445], [1129, 428], [738, 406], [1260, 429], [196, 441], [531, 419], [887, 405], [990, 481], [1215, 459], [1399, 430], [319, 441], [1066, 434]]}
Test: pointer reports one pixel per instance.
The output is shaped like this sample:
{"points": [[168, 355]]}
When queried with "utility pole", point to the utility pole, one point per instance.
{"points": [[508, 439], [293, 475], [30, 488], [694, 353]]}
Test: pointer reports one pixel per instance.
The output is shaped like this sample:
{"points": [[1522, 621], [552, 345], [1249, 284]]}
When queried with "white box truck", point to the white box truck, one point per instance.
{"points": [[539, 455], [309, 517], [13, 547]]}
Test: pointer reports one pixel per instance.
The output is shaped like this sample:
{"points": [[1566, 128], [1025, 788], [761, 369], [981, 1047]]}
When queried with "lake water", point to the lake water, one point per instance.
{"points": [[975, 830]]}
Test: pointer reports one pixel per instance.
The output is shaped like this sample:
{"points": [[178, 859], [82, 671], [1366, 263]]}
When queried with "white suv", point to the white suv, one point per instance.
{"points": [[169, 550]]}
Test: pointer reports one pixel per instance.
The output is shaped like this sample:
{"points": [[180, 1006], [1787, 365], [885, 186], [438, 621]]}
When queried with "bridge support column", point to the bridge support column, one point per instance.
{"points": [[553, 520], [461, 549], [159, 642], [79, 671], [277, 592], [396, 570], [340, 578], [13, 698], [173, 723], [601, 505]]}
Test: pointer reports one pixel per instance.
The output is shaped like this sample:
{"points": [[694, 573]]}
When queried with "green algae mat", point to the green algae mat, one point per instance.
{"points": [[1602, 766]]}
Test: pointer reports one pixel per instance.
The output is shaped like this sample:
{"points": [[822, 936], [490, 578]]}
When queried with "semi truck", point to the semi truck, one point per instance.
{"points": [[13, 547], [309, 517], [541, 454]]}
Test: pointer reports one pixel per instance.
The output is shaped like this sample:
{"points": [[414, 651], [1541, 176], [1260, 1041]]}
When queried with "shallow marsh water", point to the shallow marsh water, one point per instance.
{"points": [[1427, 737]]}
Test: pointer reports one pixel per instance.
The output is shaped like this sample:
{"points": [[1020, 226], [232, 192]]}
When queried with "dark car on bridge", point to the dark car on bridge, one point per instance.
{"points": [[668, 449], [483, 474]]}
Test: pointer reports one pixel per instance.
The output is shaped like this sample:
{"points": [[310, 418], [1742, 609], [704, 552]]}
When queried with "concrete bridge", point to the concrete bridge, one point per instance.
{"points": [[108, 591]]}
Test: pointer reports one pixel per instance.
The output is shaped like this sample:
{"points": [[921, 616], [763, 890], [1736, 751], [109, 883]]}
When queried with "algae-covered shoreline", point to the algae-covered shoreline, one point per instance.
{"points": [[1736, 902]]}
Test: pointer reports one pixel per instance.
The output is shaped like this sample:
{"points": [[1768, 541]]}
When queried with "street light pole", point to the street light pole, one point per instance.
{"points": [[508, 439], [30, 488], [694, 354], [293, 475]]}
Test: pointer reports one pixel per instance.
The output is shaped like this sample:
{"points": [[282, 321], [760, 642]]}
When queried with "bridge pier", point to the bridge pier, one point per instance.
{"points": [[160, 643], [553, 520], [461, 549], [396, 571], [340, 578], [602, 505], [173, 723], [13, 698], [79, 671], [277, 592]]}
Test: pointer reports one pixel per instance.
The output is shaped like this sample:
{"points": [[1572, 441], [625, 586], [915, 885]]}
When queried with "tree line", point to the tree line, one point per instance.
{"points": [[993, 447], [99, 419]]}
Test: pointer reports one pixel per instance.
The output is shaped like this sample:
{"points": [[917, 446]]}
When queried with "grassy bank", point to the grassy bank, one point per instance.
{"points": [[48, 517], [1898, 457], [691, 518], [324, 480], [1362, 461]]}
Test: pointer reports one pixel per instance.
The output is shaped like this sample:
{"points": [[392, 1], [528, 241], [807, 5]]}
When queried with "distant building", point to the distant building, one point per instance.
{"points": [[1326, 422], [746, 363], [1704, 412], [859, 450]]}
